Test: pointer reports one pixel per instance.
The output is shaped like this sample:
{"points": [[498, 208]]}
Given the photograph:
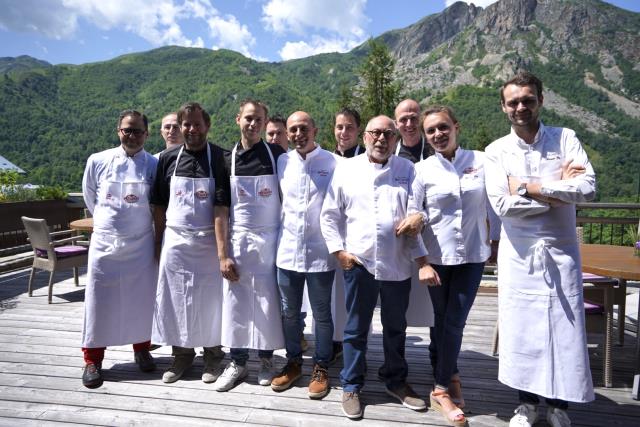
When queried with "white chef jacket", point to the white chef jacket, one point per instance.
{"points": [[452, 194], [303, 183], [363, 206], [131, 168], [543, 347]]}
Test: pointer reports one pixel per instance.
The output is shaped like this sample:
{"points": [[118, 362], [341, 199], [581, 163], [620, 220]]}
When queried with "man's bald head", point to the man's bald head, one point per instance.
{"points": [[407, 115], [380, 138], [302, 131]]}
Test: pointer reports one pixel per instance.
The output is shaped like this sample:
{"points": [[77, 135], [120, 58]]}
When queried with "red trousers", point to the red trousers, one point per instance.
{"points": [[95, 355]]}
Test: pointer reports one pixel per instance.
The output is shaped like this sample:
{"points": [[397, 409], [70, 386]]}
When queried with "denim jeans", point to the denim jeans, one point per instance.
{"points": [[532, 399], [241, 355], [361, 293], [452, 302], [319, 286]]}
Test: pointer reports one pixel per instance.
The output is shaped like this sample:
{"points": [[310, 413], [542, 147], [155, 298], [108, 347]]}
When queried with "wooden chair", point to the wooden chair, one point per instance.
{"points": [[49, 255]]}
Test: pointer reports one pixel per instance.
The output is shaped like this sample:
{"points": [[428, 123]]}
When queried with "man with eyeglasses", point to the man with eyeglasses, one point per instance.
{"points": [[534, 177], [122, 272], [365, 202], [412, 145], [170, 132], [189, 296]]}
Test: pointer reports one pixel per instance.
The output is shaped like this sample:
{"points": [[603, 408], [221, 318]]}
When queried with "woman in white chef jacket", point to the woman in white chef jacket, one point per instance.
{"points": [[450, 198]]}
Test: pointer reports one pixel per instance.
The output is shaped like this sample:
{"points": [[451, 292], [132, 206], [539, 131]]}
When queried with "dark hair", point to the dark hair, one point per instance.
{"points": [[133, 113], [346, 111], [191, 107], [523, 78], [255, 103], [278, 119], [435, 109]]}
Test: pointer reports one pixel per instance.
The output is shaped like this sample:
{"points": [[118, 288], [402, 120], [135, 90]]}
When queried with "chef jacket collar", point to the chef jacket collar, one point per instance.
{"points": [[121, 153], [444, 159], [522, 143], [310, 154]]}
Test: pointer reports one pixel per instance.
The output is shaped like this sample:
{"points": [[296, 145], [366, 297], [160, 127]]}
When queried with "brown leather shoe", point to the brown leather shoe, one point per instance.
{"points": [[285, 378], [319, 385]]}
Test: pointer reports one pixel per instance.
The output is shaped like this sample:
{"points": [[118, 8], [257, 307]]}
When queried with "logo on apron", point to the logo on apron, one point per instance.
{"points": [[470, 169], [202, 194], [265, 192], [131, 198]]}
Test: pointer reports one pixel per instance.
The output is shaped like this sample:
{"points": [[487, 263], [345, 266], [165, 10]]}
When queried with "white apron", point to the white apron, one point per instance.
{"points": [[122, 272], [420, 311], [543, 347], [251, 310], [189, 297]]}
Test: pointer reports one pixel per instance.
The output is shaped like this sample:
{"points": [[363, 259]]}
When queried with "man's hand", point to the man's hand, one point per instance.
{"points": [[346, 260], [493, 258], [514, 183], [570, 170], [411, 225], [228, 269], [429, 276]]}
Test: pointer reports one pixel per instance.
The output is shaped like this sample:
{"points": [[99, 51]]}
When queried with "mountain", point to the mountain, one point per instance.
{"points": [[586, 52], [21, 63]]}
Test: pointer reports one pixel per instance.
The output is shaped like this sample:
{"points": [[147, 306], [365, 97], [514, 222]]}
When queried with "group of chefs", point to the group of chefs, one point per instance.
{"points": [[200, 246]]}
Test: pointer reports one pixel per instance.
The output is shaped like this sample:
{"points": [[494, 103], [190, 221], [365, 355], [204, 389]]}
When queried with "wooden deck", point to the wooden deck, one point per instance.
{"points": [[41, 364]]}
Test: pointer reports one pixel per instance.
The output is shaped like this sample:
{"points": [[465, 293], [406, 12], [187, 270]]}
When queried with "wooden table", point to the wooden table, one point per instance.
{"points": [[618, 262], [85, 224]]}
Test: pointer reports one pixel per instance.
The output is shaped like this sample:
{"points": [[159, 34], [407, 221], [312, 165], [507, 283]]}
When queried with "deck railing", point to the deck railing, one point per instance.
{"points": [[609, 223]]}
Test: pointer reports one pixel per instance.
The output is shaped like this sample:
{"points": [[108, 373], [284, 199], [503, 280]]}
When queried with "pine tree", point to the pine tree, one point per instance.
{"points": [[380, 93]]}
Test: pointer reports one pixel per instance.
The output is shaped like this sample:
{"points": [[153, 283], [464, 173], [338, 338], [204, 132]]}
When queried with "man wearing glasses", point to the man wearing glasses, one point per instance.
{"points": [[366, 200], [170, 132], [122, 272]]}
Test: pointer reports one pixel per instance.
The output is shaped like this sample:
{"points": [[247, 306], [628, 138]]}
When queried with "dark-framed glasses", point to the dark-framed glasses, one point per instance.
{"points": [[132, 131], [375, 133]]}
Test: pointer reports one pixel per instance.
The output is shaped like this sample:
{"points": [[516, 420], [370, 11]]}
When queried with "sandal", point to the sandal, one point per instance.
{"points": [[454, 417], [455, 391]]}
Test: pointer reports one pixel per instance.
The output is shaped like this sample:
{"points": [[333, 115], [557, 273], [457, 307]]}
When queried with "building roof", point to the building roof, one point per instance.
{"points": [[7, 165]]}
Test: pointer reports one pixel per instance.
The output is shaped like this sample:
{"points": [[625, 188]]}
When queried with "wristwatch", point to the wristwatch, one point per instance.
{"points": [[522, 189]]}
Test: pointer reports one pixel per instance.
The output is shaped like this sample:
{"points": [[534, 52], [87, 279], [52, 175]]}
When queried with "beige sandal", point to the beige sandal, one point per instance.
{"points": [[454, 417], [455, 392]]}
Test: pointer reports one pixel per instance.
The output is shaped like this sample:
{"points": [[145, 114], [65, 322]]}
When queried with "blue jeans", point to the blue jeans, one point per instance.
{"points": [[319, 285], [452, 302], [241, 355], [361, 293]]}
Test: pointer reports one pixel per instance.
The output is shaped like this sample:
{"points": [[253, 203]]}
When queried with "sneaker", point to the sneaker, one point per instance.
{"points": [[179, 366], [265, 373], [337, 352], [145, 361], [92, 375], [319, 385], [289, 374], [557, 417], [211, 372], [351, 404], [525, 416], [409, 398], [232, 375]]}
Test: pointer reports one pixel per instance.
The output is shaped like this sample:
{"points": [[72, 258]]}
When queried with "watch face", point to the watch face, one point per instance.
{"points": [[522, 189]]}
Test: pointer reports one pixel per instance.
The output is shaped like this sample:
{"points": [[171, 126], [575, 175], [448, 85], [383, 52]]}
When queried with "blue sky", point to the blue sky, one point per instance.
{"points": [[81, 31]]}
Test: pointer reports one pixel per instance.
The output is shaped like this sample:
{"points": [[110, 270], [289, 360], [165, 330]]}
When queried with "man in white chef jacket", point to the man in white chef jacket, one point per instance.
{"points": [[365, 203], [247, 236], [534, 177], [304, 174], [122, 272], [189, 296]]}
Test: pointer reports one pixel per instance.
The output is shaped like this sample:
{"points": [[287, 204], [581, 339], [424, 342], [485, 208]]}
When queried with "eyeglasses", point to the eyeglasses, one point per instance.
{"points": [[442, 128], [134, 131], [375, 133]]}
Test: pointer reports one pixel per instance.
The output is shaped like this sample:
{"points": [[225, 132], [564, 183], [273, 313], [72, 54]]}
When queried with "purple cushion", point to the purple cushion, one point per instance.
{"points": [[64, 251], [593, 308]]}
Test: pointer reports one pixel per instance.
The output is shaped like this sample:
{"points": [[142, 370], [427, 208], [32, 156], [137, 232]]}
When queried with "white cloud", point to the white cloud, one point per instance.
{"points": [[301, 49], [159, 22], [341, 25], [481, 3]]}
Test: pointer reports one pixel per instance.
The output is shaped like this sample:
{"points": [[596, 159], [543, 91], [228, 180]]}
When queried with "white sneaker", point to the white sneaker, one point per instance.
{"points": [[232, 374], [211, 373], [525, 416], [266, 372], [557, 417]]}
